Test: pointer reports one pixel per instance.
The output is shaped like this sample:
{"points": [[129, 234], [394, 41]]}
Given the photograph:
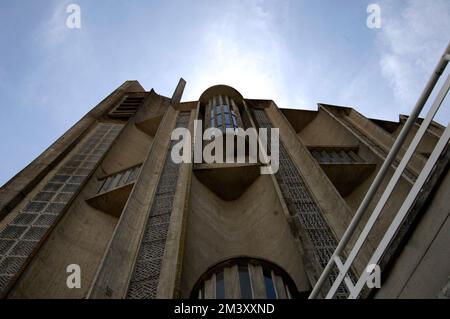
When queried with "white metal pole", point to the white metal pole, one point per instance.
{"points": [[383, 170], [390, 187], [409, 201]]}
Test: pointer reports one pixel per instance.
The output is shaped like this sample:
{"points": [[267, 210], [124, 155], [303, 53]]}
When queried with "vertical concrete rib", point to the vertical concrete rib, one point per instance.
{"points": [[146, 274], [302, 206], [117, 265]]}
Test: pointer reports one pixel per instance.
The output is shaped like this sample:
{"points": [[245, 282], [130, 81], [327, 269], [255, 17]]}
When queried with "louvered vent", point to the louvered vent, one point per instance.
{"points": [[326, 155], [127, 107]]}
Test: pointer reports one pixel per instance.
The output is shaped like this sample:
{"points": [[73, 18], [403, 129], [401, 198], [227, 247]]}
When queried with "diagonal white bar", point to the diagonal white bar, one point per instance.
{"points": [[409, 201], [390, 187], [383, 170], [340, 266]]}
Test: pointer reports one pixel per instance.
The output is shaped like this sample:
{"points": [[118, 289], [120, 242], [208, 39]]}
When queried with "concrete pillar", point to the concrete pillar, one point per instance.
{"points": [[210, 288], [232, 289], [168, 286], [118, 263], [257, 278], [238, 114], [279, 286]]}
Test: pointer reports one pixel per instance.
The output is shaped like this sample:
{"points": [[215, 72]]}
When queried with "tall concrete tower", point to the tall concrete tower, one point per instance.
{"points": [[107, 202]]}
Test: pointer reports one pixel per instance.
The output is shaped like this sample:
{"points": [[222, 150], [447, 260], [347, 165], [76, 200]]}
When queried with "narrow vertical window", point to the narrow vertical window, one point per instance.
{"points": [[218, 110], [228, 121], [244, 282], [268, 281], [220, 286], [212, 117], [227, 113], [219, 121], [234, 119]]}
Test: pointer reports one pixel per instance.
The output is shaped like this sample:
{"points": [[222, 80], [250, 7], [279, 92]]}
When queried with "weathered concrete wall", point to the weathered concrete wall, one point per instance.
{"points": [[82, 234], [385, 140], [428, 141], [323, 131], [130, 149], [253, 226], [80, 237], [299, 119], [335, 209], [340, 135], [116, 268], [204, 228], [422, 269]]}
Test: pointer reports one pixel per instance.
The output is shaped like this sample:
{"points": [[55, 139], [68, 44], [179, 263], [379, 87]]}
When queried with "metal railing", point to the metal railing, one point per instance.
{"points": [[409, 200]]}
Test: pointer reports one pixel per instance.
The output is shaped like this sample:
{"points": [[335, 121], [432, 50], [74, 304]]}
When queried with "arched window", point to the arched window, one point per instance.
{"points": [[245, 278]]}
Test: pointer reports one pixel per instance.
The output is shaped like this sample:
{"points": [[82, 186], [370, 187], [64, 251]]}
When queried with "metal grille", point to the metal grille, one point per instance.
{"points": [[127, 107], [335, 155], [19, 239], [119, 179], [304, 209], [145, 278]]}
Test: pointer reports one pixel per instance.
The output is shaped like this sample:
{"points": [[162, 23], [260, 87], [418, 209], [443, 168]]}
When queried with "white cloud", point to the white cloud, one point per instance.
{"points": [[54, 30], [241, 48], [59, 52], [412, 40]]}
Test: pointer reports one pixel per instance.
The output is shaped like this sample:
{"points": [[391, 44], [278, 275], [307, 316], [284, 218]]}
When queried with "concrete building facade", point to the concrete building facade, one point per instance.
{"points": [[107, 197]]}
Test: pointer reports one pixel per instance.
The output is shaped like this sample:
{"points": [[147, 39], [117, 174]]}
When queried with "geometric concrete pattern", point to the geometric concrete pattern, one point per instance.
{"points": [[301, 205], [145, 278]]}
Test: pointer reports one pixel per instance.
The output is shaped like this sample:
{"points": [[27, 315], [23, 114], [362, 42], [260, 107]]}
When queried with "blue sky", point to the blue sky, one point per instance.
{"points": [[297, 53]]}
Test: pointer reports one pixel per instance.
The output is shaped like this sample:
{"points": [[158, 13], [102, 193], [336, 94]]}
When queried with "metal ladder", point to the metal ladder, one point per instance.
{"points": [[344, 267]]}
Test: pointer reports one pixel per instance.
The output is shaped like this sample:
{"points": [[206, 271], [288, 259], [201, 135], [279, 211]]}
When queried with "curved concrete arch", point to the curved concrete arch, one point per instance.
{"points": [[255, 260], [221, 89]]}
